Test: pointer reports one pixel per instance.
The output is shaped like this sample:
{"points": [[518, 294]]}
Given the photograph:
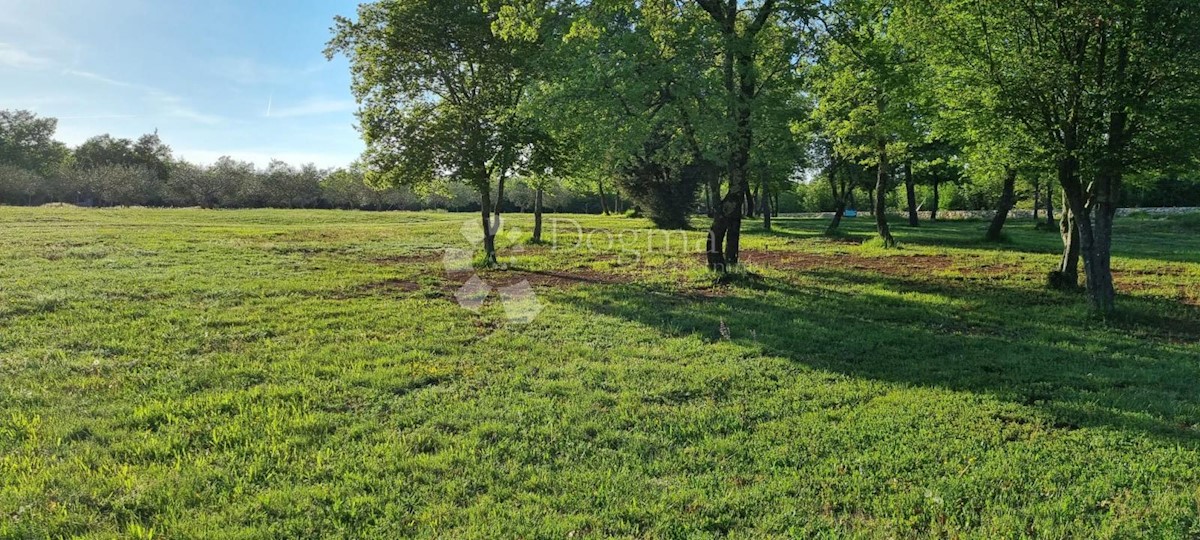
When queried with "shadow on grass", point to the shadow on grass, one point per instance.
{"points": [[1139, 375], [1134, 239]]}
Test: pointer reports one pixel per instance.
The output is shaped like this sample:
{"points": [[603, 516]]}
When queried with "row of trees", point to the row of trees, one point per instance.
{"points": [[106, 171], [733, 98]]}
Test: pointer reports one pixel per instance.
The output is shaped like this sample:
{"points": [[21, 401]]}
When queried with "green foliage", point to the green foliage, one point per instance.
{"points": [[438, 90], [867, 82], [27, 142]]}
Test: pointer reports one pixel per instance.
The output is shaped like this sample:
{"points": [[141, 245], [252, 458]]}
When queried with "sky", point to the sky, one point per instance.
{"points": [[243, 78]]}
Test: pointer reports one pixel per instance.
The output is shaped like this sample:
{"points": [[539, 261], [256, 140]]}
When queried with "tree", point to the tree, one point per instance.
{"points": [[1104, 86], [780, 119], [152, 153], [209, 187], [438, 91], [844, 176], [739, 28], [622, 95], [27, 142], [18, 184], [123, 185], [105, 150], [867, 94]]}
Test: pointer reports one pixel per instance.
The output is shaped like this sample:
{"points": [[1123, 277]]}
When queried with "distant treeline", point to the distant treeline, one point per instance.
{"points": [[107, 171]]}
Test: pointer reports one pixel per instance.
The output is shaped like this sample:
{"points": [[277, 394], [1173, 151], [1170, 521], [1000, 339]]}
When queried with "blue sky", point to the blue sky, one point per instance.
{"points": [[244, 78]]}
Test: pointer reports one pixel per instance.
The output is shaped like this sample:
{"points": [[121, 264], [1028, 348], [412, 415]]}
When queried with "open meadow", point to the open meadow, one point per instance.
{"points": [[287, 374]]}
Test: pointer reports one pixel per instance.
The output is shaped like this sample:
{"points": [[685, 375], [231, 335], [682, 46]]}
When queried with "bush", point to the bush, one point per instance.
{"points": [[664, 193], [18, 185], [121, 185]]}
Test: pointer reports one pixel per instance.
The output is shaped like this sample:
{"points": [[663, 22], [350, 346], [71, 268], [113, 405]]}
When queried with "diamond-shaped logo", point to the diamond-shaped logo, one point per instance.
{"points": [[520, 302]]}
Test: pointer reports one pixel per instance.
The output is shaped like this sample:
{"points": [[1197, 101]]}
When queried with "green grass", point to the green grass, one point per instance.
{"points": [[286, 374]]}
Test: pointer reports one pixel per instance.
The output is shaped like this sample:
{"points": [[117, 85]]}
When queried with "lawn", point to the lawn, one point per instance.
{"points": [[287, 374]]}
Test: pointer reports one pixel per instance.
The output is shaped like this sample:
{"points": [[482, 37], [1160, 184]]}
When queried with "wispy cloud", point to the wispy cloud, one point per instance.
{"points": [[174, 106], [164, 103], [248, 71], [312, 107], [100, 117], [98, 78], [11, 56]]}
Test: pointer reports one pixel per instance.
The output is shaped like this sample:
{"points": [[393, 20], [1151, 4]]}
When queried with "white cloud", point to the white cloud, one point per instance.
{"points": [[98, 78], [11, 56], [174, 106], [311, 107], [164, 103], [248, 71]]}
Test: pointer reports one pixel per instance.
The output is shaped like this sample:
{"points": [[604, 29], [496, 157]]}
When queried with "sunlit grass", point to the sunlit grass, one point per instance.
{"points": [[285, 374]]}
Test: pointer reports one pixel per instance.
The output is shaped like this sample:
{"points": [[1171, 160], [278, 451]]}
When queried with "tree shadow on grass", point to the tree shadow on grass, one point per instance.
{"points": [[1138, 375], [1164, 241]]}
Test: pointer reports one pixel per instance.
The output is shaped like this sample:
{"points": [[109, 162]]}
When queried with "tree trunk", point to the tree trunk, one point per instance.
{"points": [[724, 237], [1007, 200], [1074, 216], [937, 200], [617, 201], [537, 217], [489, 231], [708, 201], [1037, 201], [751, 203], [603, 199], [1068, 267], [766, 208], [839, 199], [837, 217], [881, 188], [1098, 265], [1049, 208], [910, 186]]}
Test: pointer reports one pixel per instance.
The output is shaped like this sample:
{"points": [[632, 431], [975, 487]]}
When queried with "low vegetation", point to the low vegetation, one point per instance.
{"points": [[250, 374]]}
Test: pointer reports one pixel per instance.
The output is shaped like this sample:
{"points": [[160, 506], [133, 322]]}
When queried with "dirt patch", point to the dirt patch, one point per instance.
{"points": [[841, 240], [897, 265]]}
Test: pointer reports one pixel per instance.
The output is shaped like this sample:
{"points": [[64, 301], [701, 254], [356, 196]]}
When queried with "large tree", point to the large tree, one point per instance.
{"points": [[740, 26], [438, 92], [27, 142], [868, 99], [1102, 85]]}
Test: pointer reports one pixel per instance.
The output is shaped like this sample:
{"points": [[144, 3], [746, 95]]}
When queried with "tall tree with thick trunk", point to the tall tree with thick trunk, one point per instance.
{"points": [[738, 41]]}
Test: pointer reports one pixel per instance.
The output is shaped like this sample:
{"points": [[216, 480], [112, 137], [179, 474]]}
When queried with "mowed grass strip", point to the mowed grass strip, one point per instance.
{"points": [[282, 374]]}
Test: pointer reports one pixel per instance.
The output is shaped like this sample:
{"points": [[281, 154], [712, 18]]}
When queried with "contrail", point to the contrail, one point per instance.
{"points": [[270, 102]]}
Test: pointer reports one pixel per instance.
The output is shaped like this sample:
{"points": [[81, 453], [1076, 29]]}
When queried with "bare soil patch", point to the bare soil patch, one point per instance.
{"points": [[898, 265]]}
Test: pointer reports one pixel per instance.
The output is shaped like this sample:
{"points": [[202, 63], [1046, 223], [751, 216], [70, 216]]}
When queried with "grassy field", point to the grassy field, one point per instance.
{"points": [[287, 374]]}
